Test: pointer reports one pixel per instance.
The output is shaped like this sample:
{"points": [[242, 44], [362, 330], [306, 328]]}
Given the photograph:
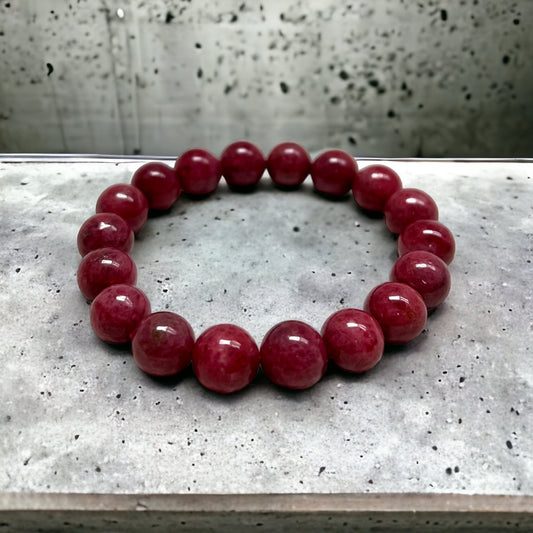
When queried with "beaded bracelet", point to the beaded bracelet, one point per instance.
{"points": [[294, 355]]}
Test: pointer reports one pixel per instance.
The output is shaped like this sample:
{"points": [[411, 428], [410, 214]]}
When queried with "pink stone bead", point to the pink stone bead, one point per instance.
{"points": [[225, 358], [354, 340], [407, 205], [242, 164], [159, 184], [198, 171], [117, 311], [428, 235], [293, 355], [162, 344], [399, 309], [425, 273], [105, 230], [288, 164], [373, 185], [333, 172], [103, 267], [126, 201]]}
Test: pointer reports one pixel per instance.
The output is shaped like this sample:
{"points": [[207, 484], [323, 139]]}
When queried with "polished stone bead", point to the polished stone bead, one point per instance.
{"points": [[407, 205], [126, 201], [399, 309], [162, 344], [428, 235], [198, 171], [105, 230], [373, 185], [354, 340], [103, 267], [288, 164], [242, 164], [117, 311], [159, 184], [225, 358], [293, 355], [424, 272], [333, 172]]}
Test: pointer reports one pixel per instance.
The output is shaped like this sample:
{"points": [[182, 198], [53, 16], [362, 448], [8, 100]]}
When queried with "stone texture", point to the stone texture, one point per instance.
{"points": [[449, 413], [384, 77]]}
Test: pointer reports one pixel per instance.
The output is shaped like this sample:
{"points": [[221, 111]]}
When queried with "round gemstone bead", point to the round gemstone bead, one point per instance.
{"points": [[399, 309], [424, 272], [117, 311], [198, 171], [126, 201], [293, 355], [103, 267], [373, 185], [225, 358], [105, 230], [242, 164], [159, 184], [407, 205], [162, 344], [333, 172], [354, 340], [428, 235], [288, 164]]}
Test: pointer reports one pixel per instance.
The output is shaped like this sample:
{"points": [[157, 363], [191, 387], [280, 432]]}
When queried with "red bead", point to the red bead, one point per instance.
{"points": [[126, 201], [162, 344], [288, 164], [225, 358], [399, 309], [373, 185], [333, 172], [407, 205], [159, 184], [428, 235], [293, 355], [103, 267], [105, 230], [198, 171], [242, 164], [353, 339], [117, 311], [425, 273]]}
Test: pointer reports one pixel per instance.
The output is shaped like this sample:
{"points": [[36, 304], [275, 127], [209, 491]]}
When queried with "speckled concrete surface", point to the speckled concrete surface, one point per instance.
{"points": [[449, 413], [383, 77]]}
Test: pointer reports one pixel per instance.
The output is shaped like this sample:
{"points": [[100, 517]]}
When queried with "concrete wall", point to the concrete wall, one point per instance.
{"points": [[378, 77]]}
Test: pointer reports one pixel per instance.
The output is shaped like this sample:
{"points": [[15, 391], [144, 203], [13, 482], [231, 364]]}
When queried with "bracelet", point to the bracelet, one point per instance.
{"points": [[225, 358]]}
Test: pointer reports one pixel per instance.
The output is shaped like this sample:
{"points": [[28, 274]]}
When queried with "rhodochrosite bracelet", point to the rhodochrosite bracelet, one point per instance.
{"points": [[225, 358]]}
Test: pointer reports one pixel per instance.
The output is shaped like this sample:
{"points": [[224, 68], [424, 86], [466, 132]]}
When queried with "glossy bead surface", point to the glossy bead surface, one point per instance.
{"points": [[293, 355], [399, 309], [373, 185], [159, 183], [242, 164], [225, 358], [333, 172], [117, 311], [198, 171], [424, 272], [428, 235], [162, 344], [354, 340], [288, 164], [105, 230], [126, 201], [103, 267], [406, 206]]}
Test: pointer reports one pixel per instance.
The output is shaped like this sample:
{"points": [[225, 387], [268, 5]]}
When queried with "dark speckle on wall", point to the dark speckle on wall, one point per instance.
{"points": [[50, 68]]}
